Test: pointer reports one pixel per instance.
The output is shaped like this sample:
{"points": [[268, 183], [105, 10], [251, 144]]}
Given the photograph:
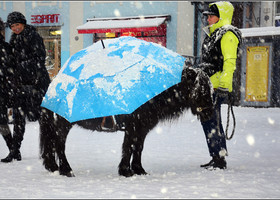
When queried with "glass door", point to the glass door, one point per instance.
{"points": [[52, 41], [52, 56]]}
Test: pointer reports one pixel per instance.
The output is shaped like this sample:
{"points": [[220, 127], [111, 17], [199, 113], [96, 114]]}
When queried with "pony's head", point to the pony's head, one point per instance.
{"points": [[199, 91]]}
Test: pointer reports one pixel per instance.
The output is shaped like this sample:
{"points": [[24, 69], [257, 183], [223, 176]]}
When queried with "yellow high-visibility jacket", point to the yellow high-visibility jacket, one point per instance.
{"points": [[228, 45]]}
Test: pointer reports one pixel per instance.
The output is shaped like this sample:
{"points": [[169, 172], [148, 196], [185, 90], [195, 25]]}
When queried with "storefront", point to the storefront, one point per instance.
{"points": [[49, 27], [69, 26], [148, 28]]}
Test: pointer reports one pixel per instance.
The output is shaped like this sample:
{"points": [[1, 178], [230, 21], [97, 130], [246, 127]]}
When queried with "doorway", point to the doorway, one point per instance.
{"points": [[52, 56], [52, 42]]}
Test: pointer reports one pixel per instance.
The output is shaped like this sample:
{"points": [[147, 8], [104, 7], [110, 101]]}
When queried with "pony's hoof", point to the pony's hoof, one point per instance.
{"points": [[141, 173], [126, 173], [139, 170], [51, 168], [68, 174]]}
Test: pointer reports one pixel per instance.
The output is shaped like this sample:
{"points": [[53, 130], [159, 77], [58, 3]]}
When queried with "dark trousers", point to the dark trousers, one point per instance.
{"points": [[19, 126], [20, 115], [215, 137]]}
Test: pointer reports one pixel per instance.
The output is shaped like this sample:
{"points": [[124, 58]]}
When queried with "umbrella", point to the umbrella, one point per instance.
{"points": [[117, 79]]}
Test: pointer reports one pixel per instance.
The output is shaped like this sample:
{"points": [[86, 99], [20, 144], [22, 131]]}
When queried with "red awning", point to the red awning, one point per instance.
{"points": [[124, 24]]}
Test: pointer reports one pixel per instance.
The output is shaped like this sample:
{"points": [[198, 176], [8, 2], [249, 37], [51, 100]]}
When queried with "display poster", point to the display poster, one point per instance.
{"points": [[257, 69]]}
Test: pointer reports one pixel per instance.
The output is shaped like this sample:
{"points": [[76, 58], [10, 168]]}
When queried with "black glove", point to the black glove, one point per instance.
{"points": [[222, 92]]}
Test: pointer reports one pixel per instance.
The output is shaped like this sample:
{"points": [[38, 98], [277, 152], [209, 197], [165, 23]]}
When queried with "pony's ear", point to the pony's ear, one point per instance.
{"points": [[188, 74]]}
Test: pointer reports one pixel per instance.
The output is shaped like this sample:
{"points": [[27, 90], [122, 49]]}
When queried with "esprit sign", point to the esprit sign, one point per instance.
{"points": [[46, 20]]}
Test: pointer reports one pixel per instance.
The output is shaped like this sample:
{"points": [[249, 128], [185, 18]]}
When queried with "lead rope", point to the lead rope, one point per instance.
{"points": [[234, 123], [230, 108]]}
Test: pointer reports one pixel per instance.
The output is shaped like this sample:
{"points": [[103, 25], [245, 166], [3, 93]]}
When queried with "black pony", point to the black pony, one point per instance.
{"points": [[193, 92]]}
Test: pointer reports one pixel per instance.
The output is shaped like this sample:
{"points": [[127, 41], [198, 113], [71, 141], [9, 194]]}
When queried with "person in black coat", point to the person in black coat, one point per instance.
{"points": [[31, 77], [6, 73]]}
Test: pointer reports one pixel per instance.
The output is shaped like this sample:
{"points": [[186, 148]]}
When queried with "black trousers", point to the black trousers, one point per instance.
{"points": [[215, 138], [19, 116]]}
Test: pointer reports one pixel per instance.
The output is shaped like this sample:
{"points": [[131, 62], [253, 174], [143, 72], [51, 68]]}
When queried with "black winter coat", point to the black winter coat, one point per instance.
{"points": [[31, 76], [6, 75]]}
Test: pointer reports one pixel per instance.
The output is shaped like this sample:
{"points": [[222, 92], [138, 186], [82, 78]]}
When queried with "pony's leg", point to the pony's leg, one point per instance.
{"points": [[47, 140], [133, 144], [124, 166], [145, 122], [62, 129], [138, 145]]}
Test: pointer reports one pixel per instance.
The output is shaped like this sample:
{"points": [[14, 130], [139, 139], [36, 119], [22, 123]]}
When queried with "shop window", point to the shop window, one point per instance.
{"points": [[157, 36]]}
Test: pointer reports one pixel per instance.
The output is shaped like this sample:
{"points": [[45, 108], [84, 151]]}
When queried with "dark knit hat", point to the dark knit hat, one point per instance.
{"points": [[2, 25], [213, 10], [15, 17]]}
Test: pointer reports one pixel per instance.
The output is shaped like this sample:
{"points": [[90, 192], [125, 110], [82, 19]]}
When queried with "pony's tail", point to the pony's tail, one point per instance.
{"points": [[47, 139]]}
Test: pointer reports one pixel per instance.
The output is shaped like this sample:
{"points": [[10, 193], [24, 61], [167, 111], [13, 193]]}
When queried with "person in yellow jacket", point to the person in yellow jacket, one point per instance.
{"points": [[218, 60]]}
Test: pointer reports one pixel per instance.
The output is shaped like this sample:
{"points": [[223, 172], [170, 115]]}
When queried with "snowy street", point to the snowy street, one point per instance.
{"points": [[172, 154]]}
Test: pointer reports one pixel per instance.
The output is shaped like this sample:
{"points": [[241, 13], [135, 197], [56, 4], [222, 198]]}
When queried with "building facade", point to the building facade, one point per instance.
{"points": [[169, 23], [69, 26]]}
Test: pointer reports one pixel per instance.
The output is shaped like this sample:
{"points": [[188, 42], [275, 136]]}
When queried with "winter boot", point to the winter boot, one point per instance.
{"points": [[6, 133], [216, 162], [14, 152]]}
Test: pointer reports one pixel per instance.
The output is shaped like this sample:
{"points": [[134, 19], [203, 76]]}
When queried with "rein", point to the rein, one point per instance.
{"points": [[234, 123], [230, 108]]}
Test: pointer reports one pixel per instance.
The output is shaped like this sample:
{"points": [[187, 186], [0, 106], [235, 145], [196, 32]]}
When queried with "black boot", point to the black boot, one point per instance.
{"points": [[216, 162], [14, 154], [6, 133]]}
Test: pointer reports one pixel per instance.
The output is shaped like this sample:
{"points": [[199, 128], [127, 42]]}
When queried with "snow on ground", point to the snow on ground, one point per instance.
{"points": [[172, 155]]}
